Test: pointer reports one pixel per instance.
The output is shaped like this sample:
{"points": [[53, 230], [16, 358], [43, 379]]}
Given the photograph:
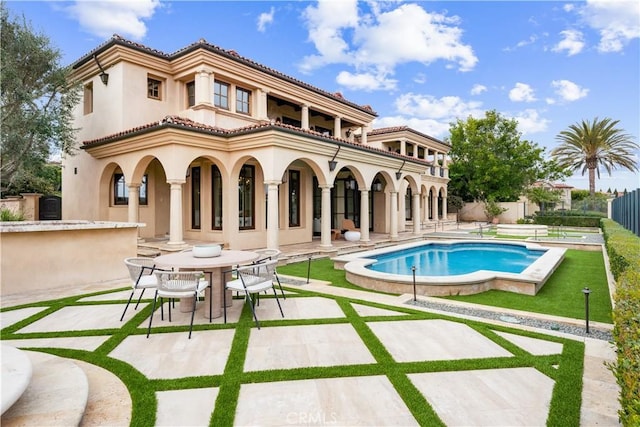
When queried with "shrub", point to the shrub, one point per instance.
{"points": [[9, 215], [622, 248], [568, 218]]}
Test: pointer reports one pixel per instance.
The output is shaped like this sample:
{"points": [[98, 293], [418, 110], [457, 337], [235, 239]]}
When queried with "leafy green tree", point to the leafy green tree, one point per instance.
{"points": [[543, 196], [577, 195], [590, 146], [489, 160], [37, 104]]}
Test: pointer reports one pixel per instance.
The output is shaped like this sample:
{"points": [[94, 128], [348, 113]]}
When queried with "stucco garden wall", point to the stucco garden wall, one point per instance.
{"points": [[475, 212], [46, 255]]}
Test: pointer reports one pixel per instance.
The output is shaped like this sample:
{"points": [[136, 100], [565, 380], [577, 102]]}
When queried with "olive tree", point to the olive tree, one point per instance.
{"points": [[37, 104]]}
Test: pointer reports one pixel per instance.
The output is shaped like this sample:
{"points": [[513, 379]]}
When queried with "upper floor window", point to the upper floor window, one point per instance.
{"points": [[121, 190], [191, 94], [154, 88], [221, 95], [88, 98], [243, 98]]}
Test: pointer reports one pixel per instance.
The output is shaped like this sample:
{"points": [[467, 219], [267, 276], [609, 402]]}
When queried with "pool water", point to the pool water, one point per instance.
{"points": [[434, 259]]}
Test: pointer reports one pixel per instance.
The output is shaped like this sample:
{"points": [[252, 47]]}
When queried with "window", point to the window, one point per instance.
{"points": [[191, 94], [88, 98], [216, 198], [294, 198], [408, 206], [121, 190], [195, 198], [154, 88], [246, 197], [221, 95], [243, 99]]}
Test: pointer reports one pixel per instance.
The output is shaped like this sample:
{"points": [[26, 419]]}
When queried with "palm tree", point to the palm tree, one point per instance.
{"points": [[591, 145]]}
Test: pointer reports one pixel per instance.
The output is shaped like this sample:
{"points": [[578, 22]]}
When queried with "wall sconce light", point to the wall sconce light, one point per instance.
{"points": [[399, 173], [332, 162], [104, 77]]}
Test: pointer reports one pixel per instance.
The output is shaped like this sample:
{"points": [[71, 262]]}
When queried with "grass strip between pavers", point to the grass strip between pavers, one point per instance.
{"points": [[565, 368]]}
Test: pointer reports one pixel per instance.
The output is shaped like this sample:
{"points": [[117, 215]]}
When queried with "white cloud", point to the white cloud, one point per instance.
{"points": [[376, 43], [365, 81], [477, 89], [572, 42], [616, 21], [264, 19], [105, 18], [529, 121], [522, 92], [568, 7], [326, 22], [429, 114], [435, 128], [569, 91]]}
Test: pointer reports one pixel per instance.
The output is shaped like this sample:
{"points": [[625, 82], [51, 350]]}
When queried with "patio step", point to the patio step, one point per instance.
{"points": [[58, 392]]}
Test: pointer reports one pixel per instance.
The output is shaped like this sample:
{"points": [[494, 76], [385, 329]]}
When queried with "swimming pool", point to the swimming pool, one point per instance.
{"points": [[390, 269], [436, 259]]}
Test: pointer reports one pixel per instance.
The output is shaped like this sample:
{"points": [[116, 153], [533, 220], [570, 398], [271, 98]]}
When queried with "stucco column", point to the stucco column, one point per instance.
{"points": [[434, 206], [304, 117], [444, 207], [203, 86], [393, 217], [363, 135], [403, 147], [261, 105], [175, 213], [134, 202], [325, 224], [364, 215], [272, 215], [337, 127], [416, 213]]}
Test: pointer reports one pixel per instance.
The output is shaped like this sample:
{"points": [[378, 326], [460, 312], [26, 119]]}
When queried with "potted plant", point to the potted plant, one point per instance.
{"points": [[492, 210]]}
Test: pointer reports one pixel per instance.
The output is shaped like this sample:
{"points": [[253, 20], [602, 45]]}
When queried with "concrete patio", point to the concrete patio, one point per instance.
{"points": [[505, 396]]}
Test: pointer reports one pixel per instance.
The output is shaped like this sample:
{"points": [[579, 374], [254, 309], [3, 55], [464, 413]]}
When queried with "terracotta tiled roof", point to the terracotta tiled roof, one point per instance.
{"points": [[392, 129], [203, 44], [177, 122]]}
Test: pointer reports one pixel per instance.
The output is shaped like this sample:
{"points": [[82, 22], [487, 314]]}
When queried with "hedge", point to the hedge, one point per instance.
{"points": [[568, 220], [623, 248]]}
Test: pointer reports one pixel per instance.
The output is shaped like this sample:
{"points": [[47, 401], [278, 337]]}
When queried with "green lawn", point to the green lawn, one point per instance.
{"points": [[560, 296]]}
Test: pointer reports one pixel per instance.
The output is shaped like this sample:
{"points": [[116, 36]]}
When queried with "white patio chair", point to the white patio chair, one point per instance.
{"points": [[253, 279], [271, 254], [177, 284], [141, 271]]}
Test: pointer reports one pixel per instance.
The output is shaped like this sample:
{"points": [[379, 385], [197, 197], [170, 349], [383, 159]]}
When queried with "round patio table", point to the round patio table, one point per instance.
{"points": [[214, 267]]}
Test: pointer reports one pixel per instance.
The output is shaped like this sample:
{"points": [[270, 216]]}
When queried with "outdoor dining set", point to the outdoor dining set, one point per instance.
{"points": [[208, 272]]}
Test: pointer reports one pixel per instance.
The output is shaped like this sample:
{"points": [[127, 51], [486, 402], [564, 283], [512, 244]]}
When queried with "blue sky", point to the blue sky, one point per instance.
{"points": [[548, 64]]}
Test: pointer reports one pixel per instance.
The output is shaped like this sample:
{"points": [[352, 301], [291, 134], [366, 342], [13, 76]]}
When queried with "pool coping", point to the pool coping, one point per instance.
{"points": [[529, 282]]}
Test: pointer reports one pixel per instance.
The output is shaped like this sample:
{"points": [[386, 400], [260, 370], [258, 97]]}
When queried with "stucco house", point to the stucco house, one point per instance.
{"points": [[208, 145]]}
